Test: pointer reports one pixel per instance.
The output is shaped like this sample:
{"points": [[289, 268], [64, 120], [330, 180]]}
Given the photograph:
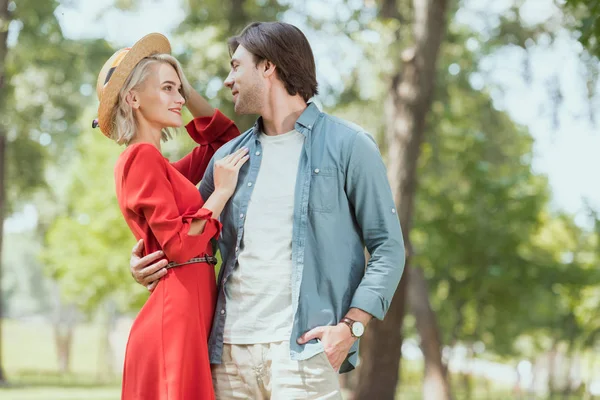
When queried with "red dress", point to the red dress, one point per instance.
{"points": [[167, 350]]}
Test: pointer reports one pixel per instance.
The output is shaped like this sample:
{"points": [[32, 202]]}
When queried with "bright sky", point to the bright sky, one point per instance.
{"points": [[566, 154]]}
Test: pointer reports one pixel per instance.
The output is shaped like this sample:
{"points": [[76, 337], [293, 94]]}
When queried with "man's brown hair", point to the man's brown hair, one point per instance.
{"points": [[285, 46]]}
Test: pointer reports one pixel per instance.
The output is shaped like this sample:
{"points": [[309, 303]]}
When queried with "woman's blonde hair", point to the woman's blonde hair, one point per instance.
{"points": [[123, 121]]}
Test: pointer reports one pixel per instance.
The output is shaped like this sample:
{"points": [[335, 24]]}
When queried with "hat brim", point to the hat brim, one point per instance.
{"points": [[153, 43]]}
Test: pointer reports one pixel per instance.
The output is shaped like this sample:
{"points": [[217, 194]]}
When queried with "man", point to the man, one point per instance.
{"points": [[294, 294]]}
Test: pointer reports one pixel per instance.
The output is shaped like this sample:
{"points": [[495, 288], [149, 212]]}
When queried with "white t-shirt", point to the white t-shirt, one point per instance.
{"points": [[259, 295]]}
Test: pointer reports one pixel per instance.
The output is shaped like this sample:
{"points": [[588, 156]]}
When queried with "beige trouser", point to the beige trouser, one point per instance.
{"points": [[265, 371]]}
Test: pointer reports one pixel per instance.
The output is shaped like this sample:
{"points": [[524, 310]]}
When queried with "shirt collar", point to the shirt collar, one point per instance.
{"points": [[306, 120]]}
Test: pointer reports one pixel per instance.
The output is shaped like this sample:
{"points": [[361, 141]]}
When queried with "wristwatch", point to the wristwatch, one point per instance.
{"points": [[357, 329]]}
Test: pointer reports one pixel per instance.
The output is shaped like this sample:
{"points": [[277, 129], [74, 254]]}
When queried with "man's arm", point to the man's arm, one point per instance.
{"points": [[369, 192], [145, 270]]}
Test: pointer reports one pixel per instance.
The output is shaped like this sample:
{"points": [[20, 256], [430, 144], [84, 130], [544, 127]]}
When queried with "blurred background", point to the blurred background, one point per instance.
{"points": [[485, 112]]}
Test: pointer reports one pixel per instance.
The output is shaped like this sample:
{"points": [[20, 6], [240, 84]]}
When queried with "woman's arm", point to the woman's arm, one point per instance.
{"points": [[149, 193], [226, 173], [197, 104], [215, 203], [223, 176], [210, 133]]}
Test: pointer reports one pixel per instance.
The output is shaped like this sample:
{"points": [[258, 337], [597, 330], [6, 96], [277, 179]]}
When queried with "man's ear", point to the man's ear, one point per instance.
{"points": [[133, 99], [268, 68]]}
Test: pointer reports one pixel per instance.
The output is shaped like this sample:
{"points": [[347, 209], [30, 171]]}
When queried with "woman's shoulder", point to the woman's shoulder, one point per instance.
{"points": [[145, 149], [140, 155]]}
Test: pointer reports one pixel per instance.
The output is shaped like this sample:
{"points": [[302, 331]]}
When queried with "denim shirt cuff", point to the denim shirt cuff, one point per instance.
{"points": [[370, 302]]}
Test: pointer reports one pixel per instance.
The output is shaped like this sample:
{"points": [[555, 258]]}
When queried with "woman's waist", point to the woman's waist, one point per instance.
{"points": [[205, 255], [204, 259]]}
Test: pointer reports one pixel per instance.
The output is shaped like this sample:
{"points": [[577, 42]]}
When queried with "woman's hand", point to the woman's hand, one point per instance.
{"points": [[226, 171]]}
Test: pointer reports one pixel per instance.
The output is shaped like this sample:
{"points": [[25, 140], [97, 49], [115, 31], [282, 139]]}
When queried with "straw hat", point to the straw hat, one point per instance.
{"points": [[116, 70]]}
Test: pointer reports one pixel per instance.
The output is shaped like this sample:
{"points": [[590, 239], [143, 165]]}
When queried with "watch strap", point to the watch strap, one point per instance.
{"points": [[349, 322]]}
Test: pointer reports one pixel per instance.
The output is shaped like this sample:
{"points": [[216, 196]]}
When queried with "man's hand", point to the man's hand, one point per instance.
{"points": [[143, 271], [337, 341]]}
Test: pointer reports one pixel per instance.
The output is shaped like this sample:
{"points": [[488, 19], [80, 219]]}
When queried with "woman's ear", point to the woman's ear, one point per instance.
{"points": [[133, 99]]}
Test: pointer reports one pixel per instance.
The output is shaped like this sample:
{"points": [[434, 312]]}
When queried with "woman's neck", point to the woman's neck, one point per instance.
{"points": [[146, 133]]}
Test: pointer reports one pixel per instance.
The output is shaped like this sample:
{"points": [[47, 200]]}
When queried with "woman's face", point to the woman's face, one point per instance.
{"points": [[159, 99]]}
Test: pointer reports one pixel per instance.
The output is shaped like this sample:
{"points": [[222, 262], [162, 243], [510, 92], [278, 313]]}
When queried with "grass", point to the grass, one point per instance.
{"points": [[57, 393], [31, 365], [29, 346]]}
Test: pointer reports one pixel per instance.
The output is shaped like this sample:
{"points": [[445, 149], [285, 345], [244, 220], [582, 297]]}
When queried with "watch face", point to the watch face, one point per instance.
{"points": [[358, 329]]}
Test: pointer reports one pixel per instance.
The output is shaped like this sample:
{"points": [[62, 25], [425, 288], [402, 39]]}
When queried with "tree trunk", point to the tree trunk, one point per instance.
{"points": [[435, 384], [380, 352], [63, 338], [4, 21], [552, 354], [64, 324], [467, 375], [348, 384], [454, 334], [590, 377], [106, 357], [2, 211], [409, 101]]}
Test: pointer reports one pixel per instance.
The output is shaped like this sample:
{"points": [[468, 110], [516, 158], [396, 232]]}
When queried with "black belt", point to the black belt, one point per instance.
{"points": [[206, 259]]}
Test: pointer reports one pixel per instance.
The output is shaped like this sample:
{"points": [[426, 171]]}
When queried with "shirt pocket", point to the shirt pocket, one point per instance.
{"points": [[323, 190]]}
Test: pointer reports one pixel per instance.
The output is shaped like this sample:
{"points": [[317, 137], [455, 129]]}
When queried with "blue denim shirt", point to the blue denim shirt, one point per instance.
{"points": [[343, 203]]}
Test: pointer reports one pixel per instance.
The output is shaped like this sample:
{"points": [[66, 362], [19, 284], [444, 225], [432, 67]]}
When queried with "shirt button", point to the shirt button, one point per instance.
{"points": [[317, 171], [242, 215], [310, 126], [237, 249], [393, 211], [223, 312], [249, 184], [257, 153]]}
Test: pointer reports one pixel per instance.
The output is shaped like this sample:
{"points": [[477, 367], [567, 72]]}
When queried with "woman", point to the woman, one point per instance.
{"points": [[142, 91]]}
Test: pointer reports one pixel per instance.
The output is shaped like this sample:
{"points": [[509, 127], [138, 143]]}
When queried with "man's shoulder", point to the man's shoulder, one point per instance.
{"points": [[339, 129], [234, 144], [342, 125]]}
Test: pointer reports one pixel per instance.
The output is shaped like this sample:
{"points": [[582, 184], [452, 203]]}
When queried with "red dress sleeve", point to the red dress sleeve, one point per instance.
{"points": [[210, 133], [149, 194]]}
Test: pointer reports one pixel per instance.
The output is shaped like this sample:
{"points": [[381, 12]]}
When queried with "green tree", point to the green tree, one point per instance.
{"points": [[473, 113], [408, 99], [463, 105], [477, 206], [203, 37], [4, 22], [585, 19], [87, 243], [41, 74], [92, 231]]}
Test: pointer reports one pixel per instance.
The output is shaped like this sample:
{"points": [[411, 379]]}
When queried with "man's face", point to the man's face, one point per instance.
{"points": [[246, 83]]}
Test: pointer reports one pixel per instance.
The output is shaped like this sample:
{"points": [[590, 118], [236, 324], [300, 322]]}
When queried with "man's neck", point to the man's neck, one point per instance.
{"points": [[282, 113]]}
